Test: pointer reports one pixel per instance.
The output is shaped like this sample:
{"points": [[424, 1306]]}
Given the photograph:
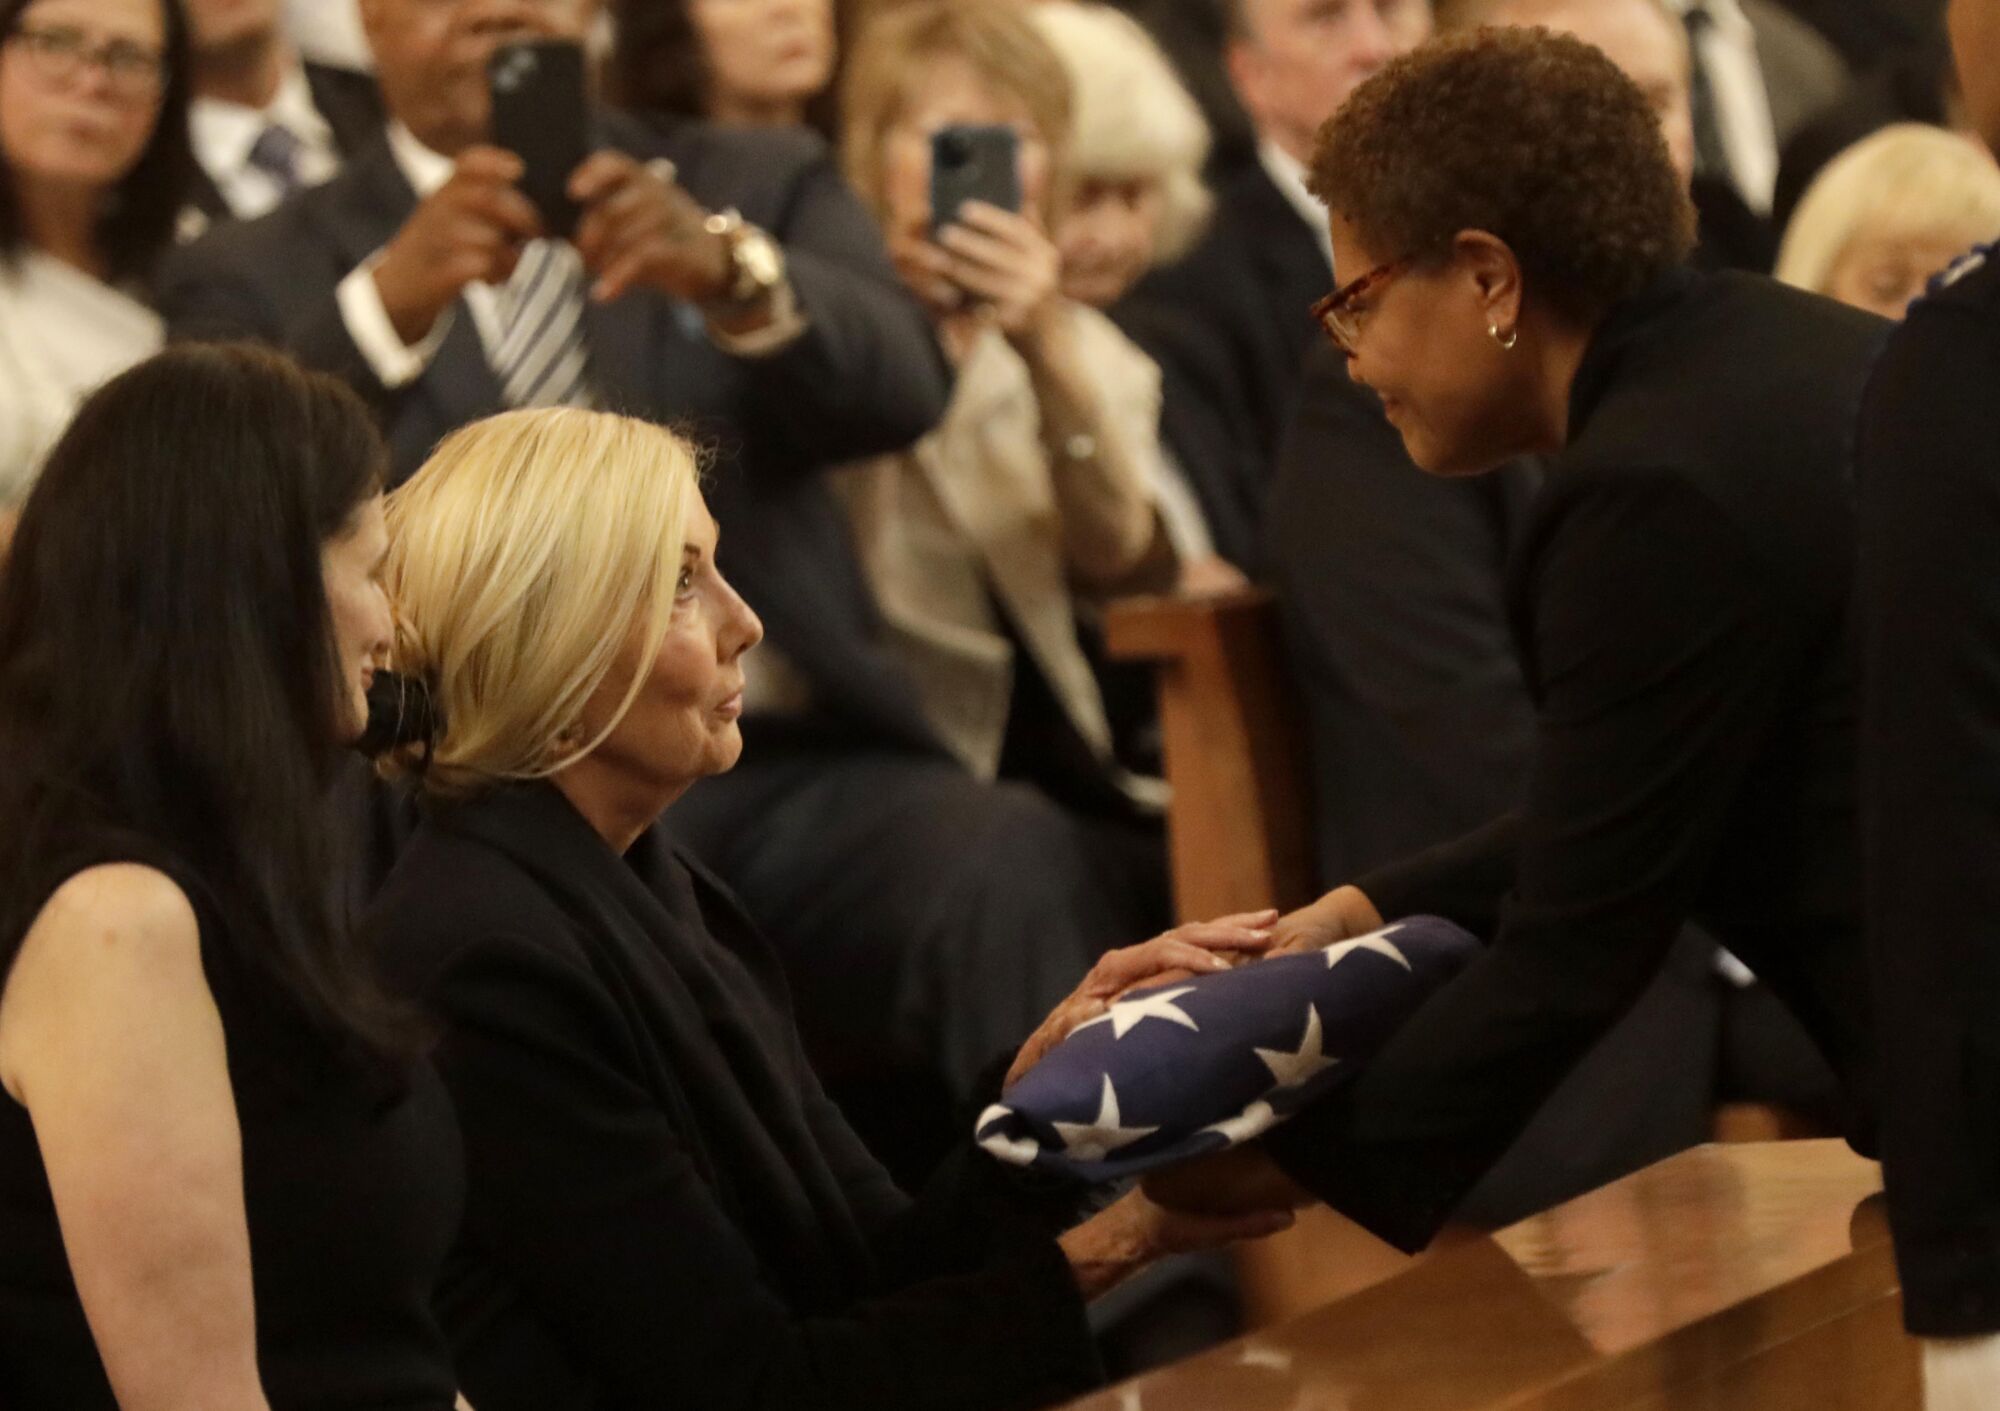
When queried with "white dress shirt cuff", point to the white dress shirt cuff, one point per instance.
{"points": [[786, 326], [395, 363], [1961, 1374]]}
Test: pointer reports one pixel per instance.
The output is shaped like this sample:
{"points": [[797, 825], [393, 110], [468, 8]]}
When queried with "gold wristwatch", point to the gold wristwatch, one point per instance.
{"points": [[756, 260]]}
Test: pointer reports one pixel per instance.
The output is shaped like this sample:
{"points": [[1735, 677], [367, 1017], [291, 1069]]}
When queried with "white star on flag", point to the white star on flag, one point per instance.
{"points": [[1018, 1150], [1127, 1013], [1291, 1069], [1252, 1121], [1378, 942], [1093, 1141]]}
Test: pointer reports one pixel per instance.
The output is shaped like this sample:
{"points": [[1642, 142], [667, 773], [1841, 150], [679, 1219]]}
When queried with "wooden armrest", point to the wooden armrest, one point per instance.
{"points": [[1239, 826]]}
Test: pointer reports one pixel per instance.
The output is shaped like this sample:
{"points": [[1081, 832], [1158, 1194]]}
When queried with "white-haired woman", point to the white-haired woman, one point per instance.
{"points": [[1888, 214], [655, 1180], [1137, 201]]}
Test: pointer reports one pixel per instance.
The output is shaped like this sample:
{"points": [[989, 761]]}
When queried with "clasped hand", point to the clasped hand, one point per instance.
{"points": [[638, 230]]}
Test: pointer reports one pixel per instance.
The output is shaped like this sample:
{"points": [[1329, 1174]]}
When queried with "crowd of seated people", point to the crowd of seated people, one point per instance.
{"points": [[652, 1066]]}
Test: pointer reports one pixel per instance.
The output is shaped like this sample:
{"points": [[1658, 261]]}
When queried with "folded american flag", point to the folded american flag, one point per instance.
{"points": [[1216, 1060]]}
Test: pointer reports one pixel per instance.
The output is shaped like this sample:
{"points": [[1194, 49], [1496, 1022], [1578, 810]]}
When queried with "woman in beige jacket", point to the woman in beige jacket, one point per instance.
{"points": [[989, 541]]}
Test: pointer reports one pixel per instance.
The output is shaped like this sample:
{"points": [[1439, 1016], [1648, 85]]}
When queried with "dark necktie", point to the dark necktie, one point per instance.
{"points": [[1711, 154], [276, 153]]}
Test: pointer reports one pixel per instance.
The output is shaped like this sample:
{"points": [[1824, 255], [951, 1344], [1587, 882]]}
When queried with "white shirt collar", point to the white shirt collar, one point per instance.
{"points": [[1288, 174], [424, 169], [223, 133]]}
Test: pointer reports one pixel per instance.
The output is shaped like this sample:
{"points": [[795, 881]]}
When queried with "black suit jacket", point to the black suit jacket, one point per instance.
{"points": [[865, 378], [1391, 583], [662, 1206], [1681, 605], [1228, 326], [1929, 461], [352, 106]]}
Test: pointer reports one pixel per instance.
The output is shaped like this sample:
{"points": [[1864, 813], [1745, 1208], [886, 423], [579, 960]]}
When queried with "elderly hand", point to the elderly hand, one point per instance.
{"points": [[1340, 915], [1243, 1180], [1132, 1232], [1199, 948], [993, 264], [640, 230]]}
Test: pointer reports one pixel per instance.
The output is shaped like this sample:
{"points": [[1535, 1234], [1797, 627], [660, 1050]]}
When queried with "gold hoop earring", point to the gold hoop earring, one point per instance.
{"points": [[1507, 343]]}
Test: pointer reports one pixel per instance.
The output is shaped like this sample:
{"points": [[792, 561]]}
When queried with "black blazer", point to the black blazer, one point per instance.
{"points": [[352, 106], [1228, 326], [657, 1188], [1929, 462], [1392, 586], [1681, 605], [865, 378]]}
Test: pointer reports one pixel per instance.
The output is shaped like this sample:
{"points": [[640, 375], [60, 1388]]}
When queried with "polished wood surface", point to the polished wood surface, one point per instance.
{"points": [[1753, 1277], [1239, 826]]}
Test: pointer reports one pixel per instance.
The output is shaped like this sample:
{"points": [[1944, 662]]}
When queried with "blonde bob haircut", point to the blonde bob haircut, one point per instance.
{"points": [[1908, 181], [999, 44], [1133, 119], [522, 555]]}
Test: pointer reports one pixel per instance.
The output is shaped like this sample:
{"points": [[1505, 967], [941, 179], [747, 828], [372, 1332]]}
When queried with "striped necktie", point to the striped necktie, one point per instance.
{"points": [[542, 359]]}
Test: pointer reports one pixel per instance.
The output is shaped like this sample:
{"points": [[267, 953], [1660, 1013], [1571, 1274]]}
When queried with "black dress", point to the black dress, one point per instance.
{"points": [[656, 1181], [1682, 608], [353, 1188]]}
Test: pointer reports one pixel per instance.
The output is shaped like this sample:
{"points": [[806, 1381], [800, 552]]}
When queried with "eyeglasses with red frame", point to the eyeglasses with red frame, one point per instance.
{"points": [[1337, 314]]}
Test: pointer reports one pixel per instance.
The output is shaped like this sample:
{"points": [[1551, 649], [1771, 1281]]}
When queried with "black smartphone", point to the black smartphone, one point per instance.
{"points": [[970, 162], [541, 113]]}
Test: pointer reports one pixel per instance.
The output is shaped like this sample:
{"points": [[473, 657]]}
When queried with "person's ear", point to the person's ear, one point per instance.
{"points": [[1495, 276]]}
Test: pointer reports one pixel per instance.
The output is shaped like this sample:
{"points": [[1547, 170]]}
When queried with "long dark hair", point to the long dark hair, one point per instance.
{"points": [[168, 668], [658, 65], [139, 221]]}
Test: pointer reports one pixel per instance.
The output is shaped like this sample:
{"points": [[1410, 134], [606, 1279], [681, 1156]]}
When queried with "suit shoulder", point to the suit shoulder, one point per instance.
{"points": [[708, 151]]}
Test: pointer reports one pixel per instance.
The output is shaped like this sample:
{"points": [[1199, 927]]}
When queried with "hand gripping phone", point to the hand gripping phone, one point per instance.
{"points": [[973, 163]]}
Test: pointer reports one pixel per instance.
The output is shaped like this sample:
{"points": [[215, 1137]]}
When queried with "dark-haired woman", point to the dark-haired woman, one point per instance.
{"points": [[199, 1075], [93, 161], [1513, 237], [747, 63]]}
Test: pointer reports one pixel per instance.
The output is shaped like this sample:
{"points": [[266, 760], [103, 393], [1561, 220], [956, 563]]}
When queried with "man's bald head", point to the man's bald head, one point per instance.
{"points": [[1642, 37]]}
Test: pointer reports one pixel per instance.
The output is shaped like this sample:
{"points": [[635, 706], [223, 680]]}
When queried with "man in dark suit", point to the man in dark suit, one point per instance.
{"points": [[266, 123], [727, 282], [1228, 323]]}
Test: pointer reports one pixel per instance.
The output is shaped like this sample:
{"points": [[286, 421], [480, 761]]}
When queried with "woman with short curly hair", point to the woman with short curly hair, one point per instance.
{"points": [[1513, 234]]}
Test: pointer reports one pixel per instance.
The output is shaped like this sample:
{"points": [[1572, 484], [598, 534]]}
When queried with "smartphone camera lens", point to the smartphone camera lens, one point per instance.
{"points": [[953, 149]]}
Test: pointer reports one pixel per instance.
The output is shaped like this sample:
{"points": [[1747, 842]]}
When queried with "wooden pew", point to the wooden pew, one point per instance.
{"points": [[1745, 1277]]}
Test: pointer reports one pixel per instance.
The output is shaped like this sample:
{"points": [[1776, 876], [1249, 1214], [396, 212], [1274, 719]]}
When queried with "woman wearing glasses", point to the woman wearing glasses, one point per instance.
{"points": [[1680, 600], [94, 159]]}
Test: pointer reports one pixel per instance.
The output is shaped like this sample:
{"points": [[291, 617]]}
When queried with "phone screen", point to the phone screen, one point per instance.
{"points": [[973, 163], [541, 113]]}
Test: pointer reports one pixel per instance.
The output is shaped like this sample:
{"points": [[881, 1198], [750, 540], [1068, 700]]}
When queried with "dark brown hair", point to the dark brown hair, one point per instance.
{"points": [[1533, 137], [659, 66], [168, 667], [139, 222]]}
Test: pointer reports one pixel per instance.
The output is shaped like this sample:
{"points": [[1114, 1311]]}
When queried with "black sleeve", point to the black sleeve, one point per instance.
{"points": [[1929, 463], [1666, 647], [867, 376], [591, 1205], [215, 290]]}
